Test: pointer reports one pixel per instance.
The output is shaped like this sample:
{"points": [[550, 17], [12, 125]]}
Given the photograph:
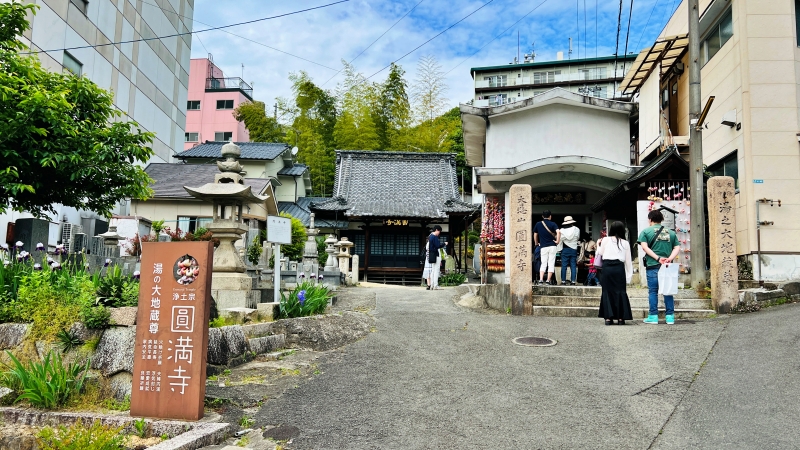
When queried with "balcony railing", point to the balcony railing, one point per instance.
{"points": [[227, 84], [560, 78]]}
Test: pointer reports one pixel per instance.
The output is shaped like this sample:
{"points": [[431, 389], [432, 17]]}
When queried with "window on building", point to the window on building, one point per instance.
{"points": [[192, 137], [545, 77], [190, 224], [223, 136], [224, 104], [499, 99], [717, 37], [72, 64], [193, 105], [497, 80], [594, 73], [727, 167], [82, 5]]}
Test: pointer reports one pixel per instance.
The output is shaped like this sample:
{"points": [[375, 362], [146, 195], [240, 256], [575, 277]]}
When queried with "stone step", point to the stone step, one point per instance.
{"points": [[594, 291], [636, 302], [638, 313]]}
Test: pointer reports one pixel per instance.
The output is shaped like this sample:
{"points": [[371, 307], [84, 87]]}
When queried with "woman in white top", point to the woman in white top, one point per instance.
{"points": [[570, 234], [617, 270]]}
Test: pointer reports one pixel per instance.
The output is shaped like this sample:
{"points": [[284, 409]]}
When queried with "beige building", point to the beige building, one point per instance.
{"points": [[750, 60], [149, 79]]}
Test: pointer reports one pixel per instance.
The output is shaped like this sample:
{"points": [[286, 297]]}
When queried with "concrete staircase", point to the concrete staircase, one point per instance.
{"points": [[581, 301]]}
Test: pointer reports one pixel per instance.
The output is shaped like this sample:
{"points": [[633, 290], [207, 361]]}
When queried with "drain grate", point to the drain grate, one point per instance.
{"points": [[532, 341]]}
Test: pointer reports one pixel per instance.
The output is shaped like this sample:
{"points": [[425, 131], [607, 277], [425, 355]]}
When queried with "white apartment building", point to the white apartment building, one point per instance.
{"points": [[149, 79], [595, 77]]}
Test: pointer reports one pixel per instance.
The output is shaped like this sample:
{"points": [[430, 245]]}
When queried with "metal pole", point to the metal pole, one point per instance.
{"points": [[277, 272], [758, 239], [698, 222]]}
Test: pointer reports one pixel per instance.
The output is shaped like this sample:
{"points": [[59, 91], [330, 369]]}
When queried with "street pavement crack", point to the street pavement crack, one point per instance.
{"points": [[689, 387]]}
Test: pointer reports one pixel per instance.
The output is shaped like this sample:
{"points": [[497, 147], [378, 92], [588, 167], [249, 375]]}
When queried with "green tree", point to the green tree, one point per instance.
{"points": [[314, 120], [60, 139], [429, 103], [294, 251], [357, 99], [393, 113], [262, 128]]}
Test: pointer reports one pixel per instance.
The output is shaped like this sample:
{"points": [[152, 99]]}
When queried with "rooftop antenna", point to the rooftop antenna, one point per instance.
{"points": [[242, 71], [569, 54], [518, 46]]}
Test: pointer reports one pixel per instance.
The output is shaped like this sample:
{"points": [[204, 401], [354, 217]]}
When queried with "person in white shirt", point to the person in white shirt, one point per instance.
{"points": [[570, 234], [616, 274]]}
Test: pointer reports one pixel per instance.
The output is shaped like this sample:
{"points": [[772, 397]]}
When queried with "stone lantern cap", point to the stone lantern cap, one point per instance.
{"points": [[111, 235], [345, 245], [229, 184]]}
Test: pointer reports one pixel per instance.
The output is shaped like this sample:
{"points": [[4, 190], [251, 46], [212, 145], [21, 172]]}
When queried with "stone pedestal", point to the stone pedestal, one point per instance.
{"points": [[519, 247], [226, 256], [722, 243], [234, 290]]}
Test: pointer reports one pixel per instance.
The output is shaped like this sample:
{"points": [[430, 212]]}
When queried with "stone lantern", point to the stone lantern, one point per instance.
{"points": [[344, 254], [330, 241], [111, 240], [230, 286]]}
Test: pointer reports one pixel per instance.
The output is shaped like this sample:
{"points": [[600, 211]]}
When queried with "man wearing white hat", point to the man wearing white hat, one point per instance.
{"points": [[570, 234]]}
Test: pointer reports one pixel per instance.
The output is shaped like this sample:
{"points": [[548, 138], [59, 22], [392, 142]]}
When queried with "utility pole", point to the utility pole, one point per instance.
{"points": [[698, 223]]}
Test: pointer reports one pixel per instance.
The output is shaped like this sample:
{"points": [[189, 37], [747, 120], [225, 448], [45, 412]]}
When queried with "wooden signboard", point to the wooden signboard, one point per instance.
{"points": [[169, 365]]}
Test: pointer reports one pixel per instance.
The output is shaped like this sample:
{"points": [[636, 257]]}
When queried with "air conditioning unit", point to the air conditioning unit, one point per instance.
{"points": [[68, 232]]}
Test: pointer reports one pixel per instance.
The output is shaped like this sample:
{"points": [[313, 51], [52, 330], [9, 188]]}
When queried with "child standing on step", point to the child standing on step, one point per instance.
{"points": [[592, 280]]}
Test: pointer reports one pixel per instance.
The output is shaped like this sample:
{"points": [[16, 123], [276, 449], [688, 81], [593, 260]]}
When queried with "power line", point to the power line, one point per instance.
{"points": [[189, 32], [495, 38], [627, 34], [236, 35], [376, 40], [434, 37], [648, 23]]}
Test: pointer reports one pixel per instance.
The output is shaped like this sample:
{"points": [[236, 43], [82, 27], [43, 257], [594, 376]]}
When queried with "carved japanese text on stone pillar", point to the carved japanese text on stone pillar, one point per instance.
{"points": [[519, 245], [722, 243]]}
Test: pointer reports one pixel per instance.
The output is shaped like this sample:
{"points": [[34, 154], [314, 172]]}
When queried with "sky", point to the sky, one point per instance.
{"points": [[322, 38]]}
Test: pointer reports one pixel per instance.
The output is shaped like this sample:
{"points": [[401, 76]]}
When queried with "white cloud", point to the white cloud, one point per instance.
{"points": [[331, 34]]}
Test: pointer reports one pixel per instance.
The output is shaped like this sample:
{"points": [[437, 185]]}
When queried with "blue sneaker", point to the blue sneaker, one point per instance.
{"points": [[670, 319], [651, 319]]}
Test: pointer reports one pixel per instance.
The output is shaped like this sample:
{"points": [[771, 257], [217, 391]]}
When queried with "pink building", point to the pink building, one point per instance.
{"points": [[210, 103]]}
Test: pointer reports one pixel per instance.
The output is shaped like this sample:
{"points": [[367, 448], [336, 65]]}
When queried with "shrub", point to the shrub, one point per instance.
{"points": [[134, 247], [254, 251], [115, 289], [48, 384], [51, 298], [306, 299], [322, 257], [96, 317], [452, 279], [79, 437]]}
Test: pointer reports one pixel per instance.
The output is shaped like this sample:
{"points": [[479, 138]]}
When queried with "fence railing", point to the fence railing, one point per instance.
{"points": [[229, 83]]}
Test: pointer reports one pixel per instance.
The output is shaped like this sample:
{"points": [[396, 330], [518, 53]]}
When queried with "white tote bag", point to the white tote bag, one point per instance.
{"points": [[668, 279]]}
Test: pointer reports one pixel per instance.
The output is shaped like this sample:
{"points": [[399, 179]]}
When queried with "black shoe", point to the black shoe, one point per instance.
{"points": [[609, 322], [565, 283], [428, 288]]}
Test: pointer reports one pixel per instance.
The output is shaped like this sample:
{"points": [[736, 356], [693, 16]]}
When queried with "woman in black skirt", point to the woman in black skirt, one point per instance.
{"points": [[617, 270]]}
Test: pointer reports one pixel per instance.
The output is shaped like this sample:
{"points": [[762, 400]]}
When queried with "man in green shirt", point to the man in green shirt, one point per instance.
{"points": [[660, 246]]}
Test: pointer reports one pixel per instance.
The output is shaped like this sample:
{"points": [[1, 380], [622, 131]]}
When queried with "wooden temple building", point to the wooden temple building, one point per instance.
{"points": [[391, 201]]}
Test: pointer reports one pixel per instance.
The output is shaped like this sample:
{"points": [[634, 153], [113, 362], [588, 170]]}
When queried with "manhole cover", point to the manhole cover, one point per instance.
{"points": [[532, 341]]}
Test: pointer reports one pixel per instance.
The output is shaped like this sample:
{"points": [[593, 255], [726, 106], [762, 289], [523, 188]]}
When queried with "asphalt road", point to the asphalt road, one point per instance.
{"points": [[438, 376]]}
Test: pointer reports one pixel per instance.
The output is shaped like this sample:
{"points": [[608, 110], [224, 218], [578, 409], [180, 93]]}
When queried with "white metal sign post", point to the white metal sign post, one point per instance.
{"points": [[279, 231]]}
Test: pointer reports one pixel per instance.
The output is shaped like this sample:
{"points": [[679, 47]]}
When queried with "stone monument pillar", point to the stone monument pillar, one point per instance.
{"points": [[111, 241], [354, 269], [722, 243], [519, 245]]}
